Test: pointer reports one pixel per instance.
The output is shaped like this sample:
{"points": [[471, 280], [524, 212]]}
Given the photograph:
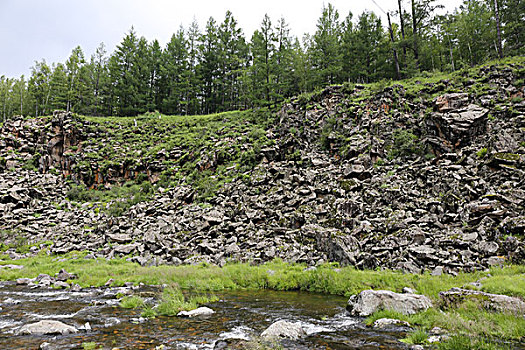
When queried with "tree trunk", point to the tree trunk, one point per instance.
{"points": [[414, 33], [398, 74], [451, 56], [402, 34], [21, 101], [498, 26]]}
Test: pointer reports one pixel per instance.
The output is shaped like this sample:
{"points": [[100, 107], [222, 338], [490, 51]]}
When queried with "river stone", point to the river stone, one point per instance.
{"points": [[284, 329], [389, 322], [47, 327], [201, 311], [369, 301]]}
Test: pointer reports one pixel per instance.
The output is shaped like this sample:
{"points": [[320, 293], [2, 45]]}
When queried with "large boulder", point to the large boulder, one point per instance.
{"points": [[459, 127], [284, 329], [47, 327], [369, 301]]}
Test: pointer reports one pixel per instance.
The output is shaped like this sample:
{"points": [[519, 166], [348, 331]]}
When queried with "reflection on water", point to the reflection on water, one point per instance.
{"points": [[239, 316]]}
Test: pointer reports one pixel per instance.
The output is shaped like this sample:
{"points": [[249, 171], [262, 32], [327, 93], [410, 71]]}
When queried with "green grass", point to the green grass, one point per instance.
{"points": [[463, 342], [131, 302], [417, 336], [204, 151], [173, 301], [275, 275]]}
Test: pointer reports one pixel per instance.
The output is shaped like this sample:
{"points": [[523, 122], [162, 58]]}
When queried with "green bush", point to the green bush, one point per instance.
{"points": [[404, 143]]}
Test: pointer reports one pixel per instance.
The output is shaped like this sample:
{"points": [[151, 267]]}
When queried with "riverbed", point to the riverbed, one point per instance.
{"points": [[240, 317]]}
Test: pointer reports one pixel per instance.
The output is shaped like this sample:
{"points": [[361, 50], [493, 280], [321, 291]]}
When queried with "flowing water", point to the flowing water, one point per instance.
{"points": [[239, 316]]}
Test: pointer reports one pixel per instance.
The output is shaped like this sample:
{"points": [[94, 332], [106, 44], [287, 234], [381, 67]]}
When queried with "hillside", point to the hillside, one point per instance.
{"points": [[421, 174]]}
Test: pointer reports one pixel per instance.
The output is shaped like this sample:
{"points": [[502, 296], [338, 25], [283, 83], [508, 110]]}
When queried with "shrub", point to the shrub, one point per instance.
{"points": [[404, 143]]}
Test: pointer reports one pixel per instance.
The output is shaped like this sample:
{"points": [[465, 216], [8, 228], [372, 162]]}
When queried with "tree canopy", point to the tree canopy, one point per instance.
{"points": [[218, 69]]}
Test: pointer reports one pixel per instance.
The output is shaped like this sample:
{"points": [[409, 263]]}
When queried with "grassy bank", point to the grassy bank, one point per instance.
{"points": [[472, 325]]}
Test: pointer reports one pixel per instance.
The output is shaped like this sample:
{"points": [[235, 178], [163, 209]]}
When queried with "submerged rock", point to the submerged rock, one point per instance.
{"points": [[284, 329], [369, 301], [47, 327]]}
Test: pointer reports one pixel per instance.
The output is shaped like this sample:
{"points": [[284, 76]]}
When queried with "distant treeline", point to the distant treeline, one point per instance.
{"points": [[217, 69]]}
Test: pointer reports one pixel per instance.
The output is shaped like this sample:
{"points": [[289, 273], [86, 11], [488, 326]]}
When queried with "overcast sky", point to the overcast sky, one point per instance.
{"points": [[32, 30]]}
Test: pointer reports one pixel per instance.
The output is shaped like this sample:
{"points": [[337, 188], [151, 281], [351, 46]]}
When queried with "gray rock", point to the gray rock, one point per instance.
{"points": [[23, 281], [369, 301], [389, 322], [201, 311], [63, 276], [284, 329], [47, 327], [60, 284], [120, 238]]}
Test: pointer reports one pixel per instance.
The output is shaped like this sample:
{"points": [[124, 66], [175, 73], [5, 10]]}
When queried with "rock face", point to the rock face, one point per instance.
{"points": [[47, 327], [497, 302], [369, 301], [284, 329], [201, 311], [378, 180]]}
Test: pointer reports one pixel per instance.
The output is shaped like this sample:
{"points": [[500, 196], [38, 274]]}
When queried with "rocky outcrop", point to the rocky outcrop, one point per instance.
{"points": [[364, 179], [369, 301]]}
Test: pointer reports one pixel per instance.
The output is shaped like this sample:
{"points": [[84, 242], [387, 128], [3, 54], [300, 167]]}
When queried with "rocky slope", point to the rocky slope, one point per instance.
{"points": [[424, 175]]}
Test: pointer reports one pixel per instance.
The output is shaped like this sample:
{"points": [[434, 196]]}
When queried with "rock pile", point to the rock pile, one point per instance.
{"points": [[386, 181]]}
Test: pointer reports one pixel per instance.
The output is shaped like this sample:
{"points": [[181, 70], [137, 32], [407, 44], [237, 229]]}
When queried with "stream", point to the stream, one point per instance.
{"points": [[239, 316]]}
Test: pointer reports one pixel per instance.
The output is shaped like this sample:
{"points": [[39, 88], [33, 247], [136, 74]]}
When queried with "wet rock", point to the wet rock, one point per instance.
{"points": [[201, 311], [284, 329], [389, 322], [47, 327], [369, 301], [497, 302], [111, 321], [24, 281], [60, 284]]}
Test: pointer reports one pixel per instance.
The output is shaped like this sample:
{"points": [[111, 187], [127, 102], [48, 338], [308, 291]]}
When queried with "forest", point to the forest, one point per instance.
{"points": [[218, 68]]}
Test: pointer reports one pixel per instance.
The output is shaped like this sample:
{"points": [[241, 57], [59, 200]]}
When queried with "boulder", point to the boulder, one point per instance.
{"points": [[450, 102], [47, 327], [459, 127], [63, 276], [201, 311], [284, 329], [369, 301]]}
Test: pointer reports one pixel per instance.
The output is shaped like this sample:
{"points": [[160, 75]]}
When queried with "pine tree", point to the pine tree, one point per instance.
{"points": [[325, 52], [124, 74], [39, 87], [175, 75]]}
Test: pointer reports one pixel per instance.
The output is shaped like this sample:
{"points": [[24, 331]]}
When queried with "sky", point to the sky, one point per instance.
{"points": [[32, 30]]}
